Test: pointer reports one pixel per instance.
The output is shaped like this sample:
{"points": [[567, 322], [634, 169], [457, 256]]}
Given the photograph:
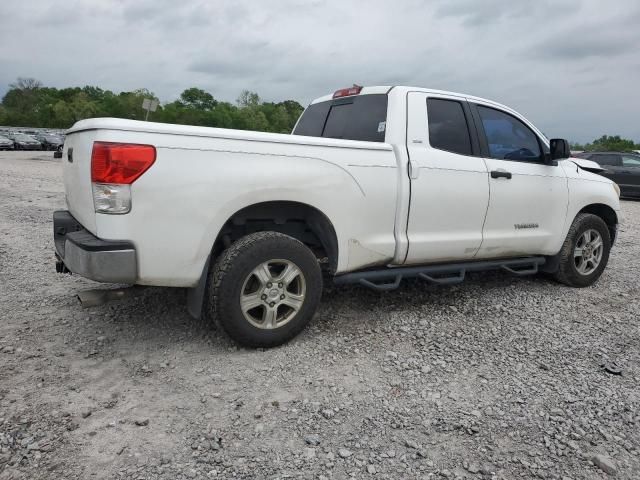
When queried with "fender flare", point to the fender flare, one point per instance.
{"points": [[324, 229]]}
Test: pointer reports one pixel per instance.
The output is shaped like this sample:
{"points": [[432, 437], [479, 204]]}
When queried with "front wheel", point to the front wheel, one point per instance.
{"points": [[585, 251], [264, 289]]}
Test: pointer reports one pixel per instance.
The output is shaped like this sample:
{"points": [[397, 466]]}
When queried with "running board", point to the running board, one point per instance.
{"points": [[390, 278]]}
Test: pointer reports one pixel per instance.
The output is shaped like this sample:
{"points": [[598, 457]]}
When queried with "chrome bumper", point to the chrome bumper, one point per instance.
{"points": [[93, 258]]}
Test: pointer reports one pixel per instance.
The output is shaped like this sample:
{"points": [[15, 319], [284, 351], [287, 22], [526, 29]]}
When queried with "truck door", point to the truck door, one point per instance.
{"points": [[630, 174], [624, 169], [528, 197], [449, 180]]}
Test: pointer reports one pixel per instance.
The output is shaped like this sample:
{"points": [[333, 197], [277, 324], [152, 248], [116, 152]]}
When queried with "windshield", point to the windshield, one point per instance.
{"points": [[361, 118]]}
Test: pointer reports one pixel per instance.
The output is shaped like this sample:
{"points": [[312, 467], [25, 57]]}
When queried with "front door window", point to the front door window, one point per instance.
{"points": [[508, 137]]}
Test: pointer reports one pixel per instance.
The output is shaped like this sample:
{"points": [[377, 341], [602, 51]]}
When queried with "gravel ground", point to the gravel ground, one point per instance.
{"points": [[499, 377]]}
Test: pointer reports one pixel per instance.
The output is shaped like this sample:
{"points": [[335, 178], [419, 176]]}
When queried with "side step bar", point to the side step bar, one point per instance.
{"points": [[390, 278]]}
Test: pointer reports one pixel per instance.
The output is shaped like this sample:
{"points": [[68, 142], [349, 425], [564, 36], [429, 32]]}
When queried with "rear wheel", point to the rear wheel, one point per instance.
{"points": [[585, 252], [264, 289]]}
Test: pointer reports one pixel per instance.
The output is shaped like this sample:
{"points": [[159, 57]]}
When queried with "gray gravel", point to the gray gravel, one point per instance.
{"points": [[499, 377]]}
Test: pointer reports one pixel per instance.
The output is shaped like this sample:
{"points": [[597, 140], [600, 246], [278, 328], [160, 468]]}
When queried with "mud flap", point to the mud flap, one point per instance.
{"points": [[551, 265], [195, 295]]}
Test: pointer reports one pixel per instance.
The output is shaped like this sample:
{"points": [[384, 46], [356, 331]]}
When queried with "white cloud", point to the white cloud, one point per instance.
{"points": [[571, 66]]}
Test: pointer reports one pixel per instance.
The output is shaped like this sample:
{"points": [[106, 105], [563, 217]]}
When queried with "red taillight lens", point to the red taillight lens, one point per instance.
{"points": [[347, 92], [120, 162]]}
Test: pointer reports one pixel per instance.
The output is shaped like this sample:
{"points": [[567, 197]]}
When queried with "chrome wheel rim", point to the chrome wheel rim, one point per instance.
{"points": [[273, 294], [588, 252]]}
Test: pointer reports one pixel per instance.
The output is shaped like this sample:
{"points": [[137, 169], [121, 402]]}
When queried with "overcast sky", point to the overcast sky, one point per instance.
{"points": [[570, 66]]}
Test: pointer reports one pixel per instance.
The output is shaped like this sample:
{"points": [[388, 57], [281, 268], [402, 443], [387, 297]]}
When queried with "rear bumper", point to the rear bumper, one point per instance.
{"points": [[85, 254]]}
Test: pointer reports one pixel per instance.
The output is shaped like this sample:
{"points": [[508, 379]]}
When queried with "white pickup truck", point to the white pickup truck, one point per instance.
{"points": [[375, 185]]}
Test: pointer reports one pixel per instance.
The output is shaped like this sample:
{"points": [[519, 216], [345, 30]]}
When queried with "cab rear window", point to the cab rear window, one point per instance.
{"points": [[351, 118]]}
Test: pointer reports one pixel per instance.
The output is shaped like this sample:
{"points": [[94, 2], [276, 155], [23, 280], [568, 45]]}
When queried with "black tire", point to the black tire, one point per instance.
{"points": [[567, 272], [227, 279]]}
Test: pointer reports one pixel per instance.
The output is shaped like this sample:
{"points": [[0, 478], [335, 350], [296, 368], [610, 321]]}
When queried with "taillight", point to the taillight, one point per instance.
{"points": [[120, 163], [347, 92], [114, 167]]}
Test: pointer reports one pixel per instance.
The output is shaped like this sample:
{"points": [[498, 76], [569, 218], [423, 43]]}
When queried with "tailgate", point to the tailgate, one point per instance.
{"points": [[76, 160]]}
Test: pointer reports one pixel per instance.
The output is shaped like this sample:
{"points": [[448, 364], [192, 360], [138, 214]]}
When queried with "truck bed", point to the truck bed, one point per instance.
{"points": [[202, 176]]}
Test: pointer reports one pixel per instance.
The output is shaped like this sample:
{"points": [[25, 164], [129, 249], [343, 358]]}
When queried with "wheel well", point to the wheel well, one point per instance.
{"points": [[606, 213], [298, 220]]}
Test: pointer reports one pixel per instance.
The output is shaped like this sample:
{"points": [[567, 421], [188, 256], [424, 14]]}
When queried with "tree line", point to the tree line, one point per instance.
{"points": [[608, 143], [28, 103]]}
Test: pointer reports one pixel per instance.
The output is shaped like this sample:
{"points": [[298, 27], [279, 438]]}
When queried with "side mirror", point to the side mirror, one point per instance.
{"points": [[559, 149]]}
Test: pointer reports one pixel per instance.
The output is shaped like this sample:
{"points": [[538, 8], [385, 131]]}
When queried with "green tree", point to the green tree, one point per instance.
{"points": [[22, 101], [222, 116], [277, 116], [248, 99], [198, 99], [611, 143], [29, 103], [63, 114], [95, 94], [251, 119], [82, 107]]}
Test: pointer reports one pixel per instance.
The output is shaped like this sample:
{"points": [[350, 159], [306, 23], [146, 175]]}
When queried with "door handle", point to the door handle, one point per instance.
{"points": [[501, 174]]}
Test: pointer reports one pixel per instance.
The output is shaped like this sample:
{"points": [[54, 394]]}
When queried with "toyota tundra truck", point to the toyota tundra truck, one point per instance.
{"points": [[373, 186]]}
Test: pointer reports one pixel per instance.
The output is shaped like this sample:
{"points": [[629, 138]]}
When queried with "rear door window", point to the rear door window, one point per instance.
{"points": [[631, 161], [508, 137], [448, 128], [351, 118]]}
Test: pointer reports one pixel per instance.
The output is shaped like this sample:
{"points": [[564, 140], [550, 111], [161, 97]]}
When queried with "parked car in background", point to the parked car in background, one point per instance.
{"points": [[25, 142], [6, 143], [50, 141], [622, 168]]}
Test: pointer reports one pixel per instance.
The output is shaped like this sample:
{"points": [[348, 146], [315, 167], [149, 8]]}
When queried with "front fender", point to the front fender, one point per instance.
{"points": [[587, 189]]}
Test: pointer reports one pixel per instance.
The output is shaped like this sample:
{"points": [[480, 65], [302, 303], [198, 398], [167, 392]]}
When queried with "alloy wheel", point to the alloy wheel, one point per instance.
{"points": [[273, 294]]}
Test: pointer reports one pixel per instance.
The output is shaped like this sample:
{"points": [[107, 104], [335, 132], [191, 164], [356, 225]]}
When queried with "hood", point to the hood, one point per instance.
{"points": [[588, 165]]}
